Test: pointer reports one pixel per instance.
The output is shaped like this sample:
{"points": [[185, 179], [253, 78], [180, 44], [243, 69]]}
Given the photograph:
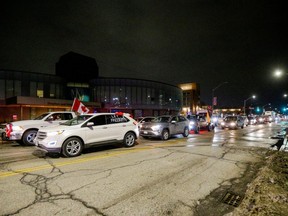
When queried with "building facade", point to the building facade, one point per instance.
{"points": [[191, 98], [25, 95]]}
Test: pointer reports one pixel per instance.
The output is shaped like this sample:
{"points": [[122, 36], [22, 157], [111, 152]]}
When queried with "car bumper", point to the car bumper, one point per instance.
{"points": [[14, 136], [48, 150], [44, 146], [150, 133]]}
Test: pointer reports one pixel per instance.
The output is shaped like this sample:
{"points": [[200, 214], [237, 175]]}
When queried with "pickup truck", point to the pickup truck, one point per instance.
{"points": [[24, 132]]}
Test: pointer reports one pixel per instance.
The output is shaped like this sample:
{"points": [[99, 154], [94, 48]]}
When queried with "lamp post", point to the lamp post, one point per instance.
{"points": [[213, 90], [253, 96]]}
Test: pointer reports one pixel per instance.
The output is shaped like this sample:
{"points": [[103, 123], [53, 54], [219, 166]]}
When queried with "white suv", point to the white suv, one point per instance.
{"points": [[71, 137], [24, 131]]}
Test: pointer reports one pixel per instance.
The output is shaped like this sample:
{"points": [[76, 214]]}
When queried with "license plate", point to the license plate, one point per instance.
{"points": [[145, 132]]}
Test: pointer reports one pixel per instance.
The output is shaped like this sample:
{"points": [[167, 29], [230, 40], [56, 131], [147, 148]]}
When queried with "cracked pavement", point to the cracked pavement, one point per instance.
{"points": [[182, 176]]}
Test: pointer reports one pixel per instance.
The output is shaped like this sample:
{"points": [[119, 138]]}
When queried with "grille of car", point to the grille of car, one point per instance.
{"points": [[41, 135]]}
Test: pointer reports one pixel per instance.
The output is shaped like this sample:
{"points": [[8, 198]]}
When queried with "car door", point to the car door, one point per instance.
{"points": [[182, 124], [98, 132], [118, 125], [175, 126]]}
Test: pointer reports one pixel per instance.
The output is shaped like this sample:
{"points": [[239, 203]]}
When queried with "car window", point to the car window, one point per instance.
{"points": [[55, 117], [66, 116], [181, 119], [161, 119], [114, 119], [174, 118], [77, 120], [98, 120]]}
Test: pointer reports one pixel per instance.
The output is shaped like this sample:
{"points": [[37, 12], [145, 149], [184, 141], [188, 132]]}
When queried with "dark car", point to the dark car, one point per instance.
{"points": [[232, 122], [165, 126]]}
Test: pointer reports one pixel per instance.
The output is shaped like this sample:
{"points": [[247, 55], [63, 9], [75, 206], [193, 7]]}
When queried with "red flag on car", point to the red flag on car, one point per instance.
{"points": [[79, 107]]}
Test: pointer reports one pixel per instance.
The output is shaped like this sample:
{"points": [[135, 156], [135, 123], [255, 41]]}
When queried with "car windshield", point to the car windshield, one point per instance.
{"points": [[41, 116], [231, 118], [192, 118], [77, 120], [161, 119], [147, 119]]}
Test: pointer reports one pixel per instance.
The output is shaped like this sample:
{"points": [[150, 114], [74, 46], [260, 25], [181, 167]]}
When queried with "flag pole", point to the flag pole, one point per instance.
{"points": [[73, 104]]}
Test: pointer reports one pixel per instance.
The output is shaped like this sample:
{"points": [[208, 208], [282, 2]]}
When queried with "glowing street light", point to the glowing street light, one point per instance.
{"points": [[279, 73], [253, 96]]}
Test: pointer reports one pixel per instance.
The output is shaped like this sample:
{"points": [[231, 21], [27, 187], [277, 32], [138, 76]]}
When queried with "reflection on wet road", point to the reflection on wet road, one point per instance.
{"points": [[251, 136]]}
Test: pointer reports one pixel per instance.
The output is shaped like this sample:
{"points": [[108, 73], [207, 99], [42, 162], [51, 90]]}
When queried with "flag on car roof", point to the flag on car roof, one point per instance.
{"points": [[79, 107]]}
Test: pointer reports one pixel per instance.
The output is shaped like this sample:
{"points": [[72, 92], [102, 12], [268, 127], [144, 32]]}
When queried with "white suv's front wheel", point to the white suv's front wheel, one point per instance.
{"points": [[129, 139], [72, 147]]}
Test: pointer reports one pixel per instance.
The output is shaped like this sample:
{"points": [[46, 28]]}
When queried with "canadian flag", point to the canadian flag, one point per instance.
{"points": [[79, 107]]}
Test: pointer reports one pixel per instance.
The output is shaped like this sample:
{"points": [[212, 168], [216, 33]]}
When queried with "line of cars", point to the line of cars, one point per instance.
{"points": [[68, 134]]}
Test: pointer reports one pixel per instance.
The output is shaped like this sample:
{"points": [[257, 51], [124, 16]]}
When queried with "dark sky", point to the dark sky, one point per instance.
{"points": [[204, 41]]}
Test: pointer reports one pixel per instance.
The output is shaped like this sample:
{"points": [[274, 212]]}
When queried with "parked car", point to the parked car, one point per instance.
{"points": [[232, 122], [84, 131], [24, 132], [165, 126]]}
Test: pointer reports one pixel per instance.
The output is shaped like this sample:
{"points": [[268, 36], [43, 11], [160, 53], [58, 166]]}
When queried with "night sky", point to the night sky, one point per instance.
{"points": [[204, 41]]}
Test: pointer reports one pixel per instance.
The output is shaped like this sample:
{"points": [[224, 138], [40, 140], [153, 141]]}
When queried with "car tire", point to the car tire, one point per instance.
{"points": [[72, 147], [3, 136], [28, 137], [186, 132], [165, 134], [129, 139]]}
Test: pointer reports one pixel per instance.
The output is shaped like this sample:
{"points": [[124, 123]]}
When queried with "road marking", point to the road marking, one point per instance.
{"points": [[72, 161]]}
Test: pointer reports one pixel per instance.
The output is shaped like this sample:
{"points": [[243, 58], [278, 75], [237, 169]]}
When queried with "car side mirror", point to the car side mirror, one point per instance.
{"points": [[89, 124]]}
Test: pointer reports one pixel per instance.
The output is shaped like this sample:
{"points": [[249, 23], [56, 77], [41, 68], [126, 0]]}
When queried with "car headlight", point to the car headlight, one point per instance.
{"points": [[54, 133], [17, 128], [222, 123], [192, 123], [155, 127], [233, 124]]}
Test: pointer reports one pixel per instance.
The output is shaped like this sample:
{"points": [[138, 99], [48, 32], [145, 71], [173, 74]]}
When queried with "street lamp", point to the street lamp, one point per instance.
{"points": [[279, 73], [253, 96], [213, 90]]}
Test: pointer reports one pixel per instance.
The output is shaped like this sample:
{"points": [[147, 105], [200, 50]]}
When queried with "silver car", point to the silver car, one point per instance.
{"points": [[165, 126], [232, 122]]}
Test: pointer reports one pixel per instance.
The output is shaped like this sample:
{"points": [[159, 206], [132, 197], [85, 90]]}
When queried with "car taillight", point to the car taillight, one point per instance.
{"points": [[8, 130]]}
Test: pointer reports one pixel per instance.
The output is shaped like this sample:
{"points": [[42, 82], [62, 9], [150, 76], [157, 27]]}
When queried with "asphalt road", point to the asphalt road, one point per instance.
{"points": [[181, 176]]}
